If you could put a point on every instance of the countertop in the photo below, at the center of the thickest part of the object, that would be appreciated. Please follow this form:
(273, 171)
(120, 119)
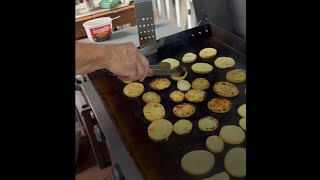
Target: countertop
(163, 28)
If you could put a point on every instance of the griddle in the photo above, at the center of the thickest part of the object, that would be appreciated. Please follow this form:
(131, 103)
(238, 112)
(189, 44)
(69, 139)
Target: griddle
(161, 161)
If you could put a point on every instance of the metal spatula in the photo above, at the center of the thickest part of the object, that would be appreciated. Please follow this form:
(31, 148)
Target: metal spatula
(164, 68)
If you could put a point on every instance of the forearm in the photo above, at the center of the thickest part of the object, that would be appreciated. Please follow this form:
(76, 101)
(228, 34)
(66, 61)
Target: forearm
(90, 57)
(124, 60)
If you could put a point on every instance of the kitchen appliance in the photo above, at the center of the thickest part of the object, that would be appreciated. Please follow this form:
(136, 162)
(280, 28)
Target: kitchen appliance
(120, 121)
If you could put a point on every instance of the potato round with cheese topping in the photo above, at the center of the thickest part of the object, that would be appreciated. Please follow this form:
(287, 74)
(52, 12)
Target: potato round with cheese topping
(184, 110)
(153, 111)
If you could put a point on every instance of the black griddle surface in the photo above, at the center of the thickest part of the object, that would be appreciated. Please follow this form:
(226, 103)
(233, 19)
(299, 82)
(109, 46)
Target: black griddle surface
(161, 161)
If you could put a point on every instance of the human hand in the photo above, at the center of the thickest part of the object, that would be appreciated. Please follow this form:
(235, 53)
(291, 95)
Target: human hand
(127, 62)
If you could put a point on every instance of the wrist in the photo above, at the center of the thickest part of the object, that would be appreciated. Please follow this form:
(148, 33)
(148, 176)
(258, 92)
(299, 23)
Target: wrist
(105, 54)
(109, 54)
(102, 56)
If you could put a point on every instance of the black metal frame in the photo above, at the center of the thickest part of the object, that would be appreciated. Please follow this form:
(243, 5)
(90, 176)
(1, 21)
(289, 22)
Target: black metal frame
(99, 149)
(119, 155)
(227, 14)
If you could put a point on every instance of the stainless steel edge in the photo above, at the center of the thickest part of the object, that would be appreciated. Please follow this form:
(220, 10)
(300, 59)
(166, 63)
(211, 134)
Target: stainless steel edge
(118, 152)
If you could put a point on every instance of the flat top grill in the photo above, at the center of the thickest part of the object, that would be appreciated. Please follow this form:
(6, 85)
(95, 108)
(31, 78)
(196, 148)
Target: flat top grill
(159, 161)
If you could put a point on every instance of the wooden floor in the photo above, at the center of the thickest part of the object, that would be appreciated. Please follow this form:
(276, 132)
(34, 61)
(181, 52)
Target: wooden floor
(86, 168)
(94, 173)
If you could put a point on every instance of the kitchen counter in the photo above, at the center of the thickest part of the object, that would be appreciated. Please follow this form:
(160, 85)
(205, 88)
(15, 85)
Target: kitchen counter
(96, 10)
(163, 28)
(126, 13)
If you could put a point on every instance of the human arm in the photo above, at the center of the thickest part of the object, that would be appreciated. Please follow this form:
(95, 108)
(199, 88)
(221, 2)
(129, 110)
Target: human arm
(124, 60)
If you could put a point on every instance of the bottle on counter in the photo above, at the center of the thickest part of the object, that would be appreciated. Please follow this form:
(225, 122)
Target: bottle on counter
(89, 4)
